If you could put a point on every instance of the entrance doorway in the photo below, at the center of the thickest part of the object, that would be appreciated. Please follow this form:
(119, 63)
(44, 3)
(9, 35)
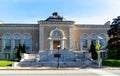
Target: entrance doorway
(56, 38)
(55, 44)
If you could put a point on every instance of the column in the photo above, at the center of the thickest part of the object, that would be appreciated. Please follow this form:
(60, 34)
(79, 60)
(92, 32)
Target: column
(62, 44)
(41, 38)
(22, 41)
(51, 44)
(89, 42)
(71, 45)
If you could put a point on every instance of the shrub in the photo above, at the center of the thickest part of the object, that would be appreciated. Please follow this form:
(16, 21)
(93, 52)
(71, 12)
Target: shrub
(112, 53)
(111, 62)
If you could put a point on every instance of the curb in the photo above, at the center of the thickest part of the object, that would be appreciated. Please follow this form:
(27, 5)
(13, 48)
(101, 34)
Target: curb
(110, 68)
(36, 68)
(54, 68)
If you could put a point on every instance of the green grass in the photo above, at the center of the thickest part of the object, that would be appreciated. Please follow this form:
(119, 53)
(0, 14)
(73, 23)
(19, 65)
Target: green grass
(111, 62)
(5, 63)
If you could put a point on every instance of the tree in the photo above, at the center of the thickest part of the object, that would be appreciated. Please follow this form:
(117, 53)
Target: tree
(19, 52)
(114, 41)
(23, 48)
(93, 51)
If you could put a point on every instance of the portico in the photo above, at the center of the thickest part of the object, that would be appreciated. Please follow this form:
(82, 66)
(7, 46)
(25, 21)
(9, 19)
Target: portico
(55, 30)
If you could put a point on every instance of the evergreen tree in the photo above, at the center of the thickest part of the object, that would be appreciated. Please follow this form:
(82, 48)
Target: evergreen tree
(93, 51)
(114, 41)
(19, 52)
(23, 49)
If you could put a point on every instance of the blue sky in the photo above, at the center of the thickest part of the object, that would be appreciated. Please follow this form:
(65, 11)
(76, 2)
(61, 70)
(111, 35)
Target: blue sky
(81, 11)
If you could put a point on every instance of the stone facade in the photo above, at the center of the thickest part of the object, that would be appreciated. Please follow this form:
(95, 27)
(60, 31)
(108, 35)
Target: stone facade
(48, 34)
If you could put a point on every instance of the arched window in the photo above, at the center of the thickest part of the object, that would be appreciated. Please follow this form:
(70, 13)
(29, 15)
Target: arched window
(7, 44)
(27, 43)
(93, 38)
(27, 40)
(17, 40)
(56, 34)
(6, 41)
(84, 38)
(102, 41)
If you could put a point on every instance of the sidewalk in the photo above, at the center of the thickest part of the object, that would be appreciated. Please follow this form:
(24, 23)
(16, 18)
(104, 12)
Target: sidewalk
(110, 68)
(38, 68)
(54, 68)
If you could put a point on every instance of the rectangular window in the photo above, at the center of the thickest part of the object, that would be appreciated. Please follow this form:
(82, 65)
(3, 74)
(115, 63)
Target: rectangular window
(7, 55)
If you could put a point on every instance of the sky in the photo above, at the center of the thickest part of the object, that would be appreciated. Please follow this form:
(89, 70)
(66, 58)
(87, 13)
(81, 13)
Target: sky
(80, 11)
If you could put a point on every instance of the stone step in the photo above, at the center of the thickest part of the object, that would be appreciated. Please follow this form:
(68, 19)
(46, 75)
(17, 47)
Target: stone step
(54, 64)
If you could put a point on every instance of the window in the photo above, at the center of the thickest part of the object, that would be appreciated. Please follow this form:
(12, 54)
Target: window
(6, 41)
(56, 34)
(7, 44)
(36, 45)
(102, 41)
(7, 55)
(84, 43)
(27, 43)
(93, 38)
(94, 42)
(17, 40)
(27, 40)
(17, 43)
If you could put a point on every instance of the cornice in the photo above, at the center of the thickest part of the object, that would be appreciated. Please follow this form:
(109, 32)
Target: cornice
(56, 22)
(16, 28)
(19, 26)
(5, 25)
(92, 29)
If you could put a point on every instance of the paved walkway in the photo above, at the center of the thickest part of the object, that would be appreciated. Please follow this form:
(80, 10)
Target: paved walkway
(54, 68)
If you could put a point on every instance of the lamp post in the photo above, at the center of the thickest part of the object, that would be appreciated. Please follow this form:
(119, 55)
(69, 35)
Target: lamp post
(98, 49)
(58, 55)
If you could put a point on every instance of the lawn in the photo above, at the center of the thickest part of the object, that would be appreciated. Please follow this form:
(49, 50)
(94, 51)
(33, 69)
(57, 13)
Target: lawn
(111, 62)
(5, 63)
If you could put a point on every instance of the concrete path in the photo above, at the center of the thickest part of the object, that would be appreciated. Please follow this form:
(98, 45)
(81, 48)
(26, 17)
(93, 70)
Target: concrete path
(47, 71)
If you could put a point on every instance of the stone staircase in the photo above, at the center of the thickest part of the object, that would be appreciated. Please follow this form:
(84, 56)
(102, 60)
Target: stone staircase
(65, 55)
(47, 59)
